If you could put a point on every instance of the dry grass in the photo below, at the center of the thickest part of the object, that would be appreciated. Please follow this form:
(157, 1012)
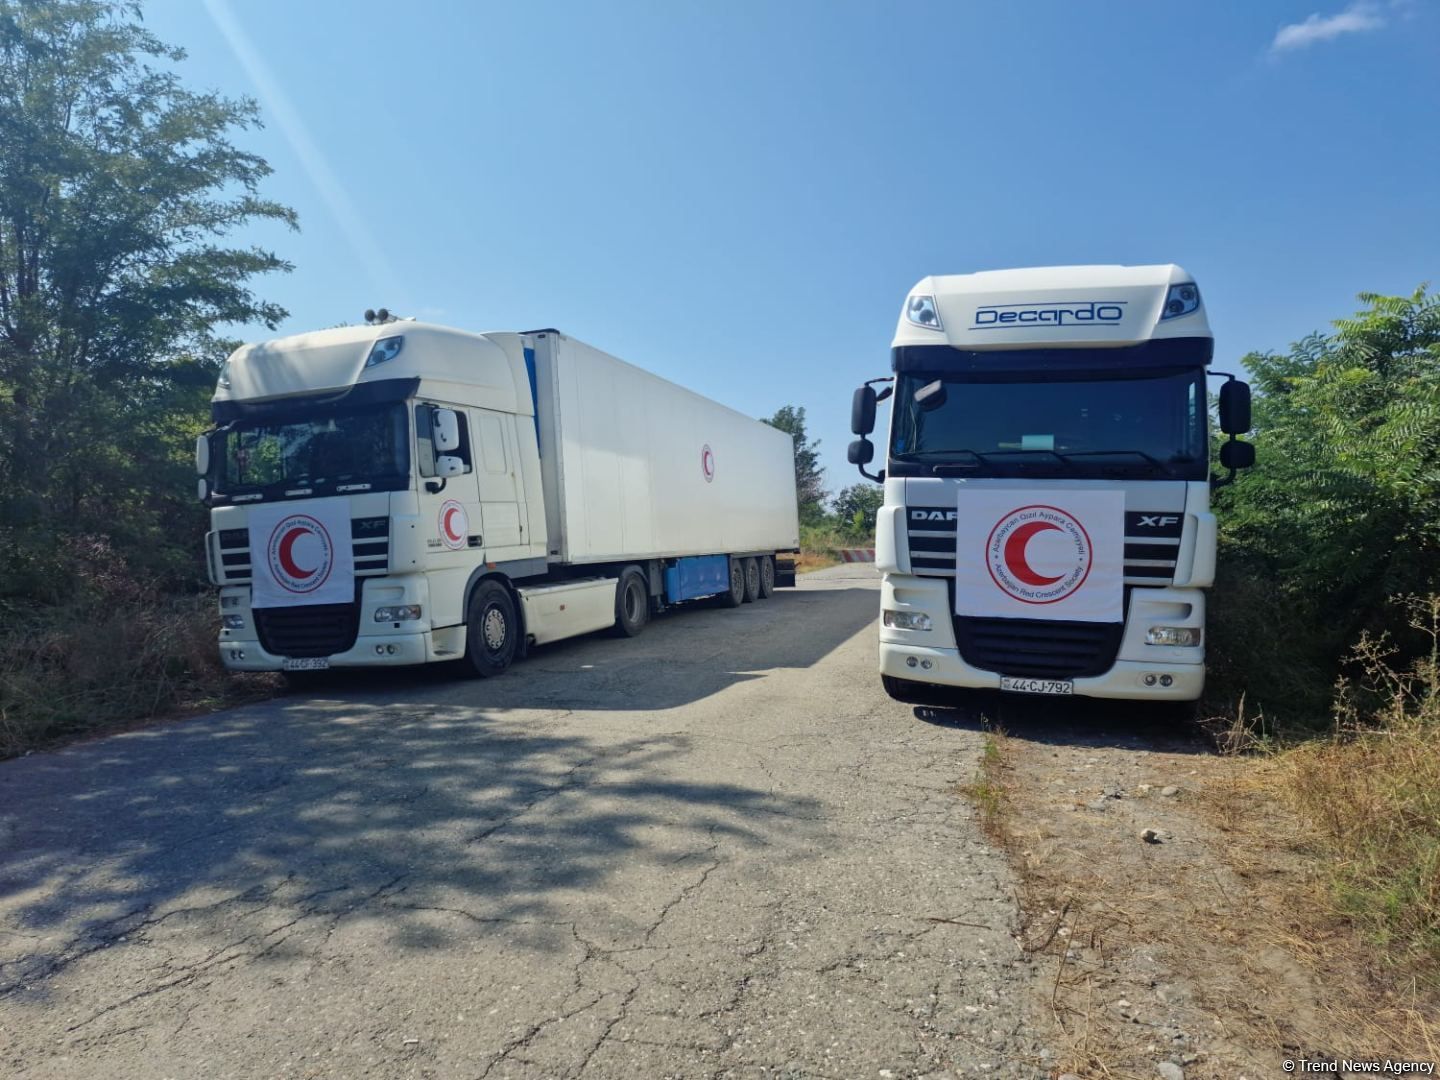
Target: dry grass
(1372, 793)
(117, 654)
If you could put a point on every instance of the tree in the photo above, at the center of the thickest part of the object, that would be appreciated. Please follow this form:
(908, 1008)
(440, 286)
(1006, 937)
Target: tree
(117, 186)
(1342, 511)
(809, 477)
(857, 506)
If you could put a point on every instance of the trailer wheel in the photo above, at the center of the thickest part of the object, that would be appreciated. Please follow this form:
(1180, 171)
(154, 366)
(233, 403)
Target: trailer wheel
(492, 630)
(767, 576)
(752, 580)
(632, 604)
(736, 596)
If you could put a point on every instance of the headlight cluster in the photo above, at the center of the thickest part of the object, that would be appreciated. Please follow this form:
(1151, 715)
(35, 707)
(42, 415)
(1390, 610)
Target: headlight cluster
(907, 620)
(1173, 635)
(397, 613)
(1181, 300)
(233, 622)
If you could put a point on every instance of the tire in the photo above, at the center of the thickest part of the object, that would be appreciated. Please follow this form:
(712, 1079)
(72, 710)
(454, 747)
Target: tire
(736, 596)
(632, 604)
(767, 577)
(752, 580)
(492, 630)
(912, 693)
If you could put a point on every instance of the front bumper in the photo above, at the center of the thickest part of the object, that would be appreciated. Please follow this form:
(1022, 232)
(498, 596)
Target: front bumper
(1127, 678)
(385, 644)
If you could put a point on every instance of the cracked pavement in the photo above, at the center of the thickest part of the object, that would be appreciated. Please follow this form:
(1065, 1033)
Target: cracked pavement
(716, 850)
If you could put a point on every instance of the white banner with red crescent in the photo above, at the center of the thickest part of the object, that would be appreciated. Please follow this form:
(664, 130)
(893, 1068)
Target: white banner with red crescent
(301, 553)
(1032, 554)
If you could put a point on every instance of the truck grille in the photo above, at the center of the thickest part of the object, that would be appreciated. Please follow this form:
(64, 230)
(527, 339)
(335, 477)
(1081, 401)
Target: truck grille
(1038, 647)
(1152, 542)
(369, 537)
(310, 630)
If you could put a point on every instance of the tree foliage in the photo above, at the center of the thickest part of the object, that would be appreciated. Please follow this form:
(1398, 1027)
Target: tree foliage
(118, 186)
(809, 477)
(856, 507)
(1342, 511)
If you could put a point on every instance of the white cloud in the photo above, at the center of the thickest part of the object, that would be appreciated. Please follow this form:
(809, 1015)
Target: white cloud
(1356, 18)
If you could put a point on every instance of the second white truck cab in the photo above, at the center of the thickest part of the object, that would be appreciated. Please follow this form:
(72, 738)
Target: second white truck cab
(1046, 527)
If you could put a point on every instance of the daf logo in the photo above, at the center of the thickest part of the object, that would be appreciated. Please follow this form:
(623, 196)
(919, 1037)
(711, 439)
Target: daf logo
(1156, 521)
(933, 515)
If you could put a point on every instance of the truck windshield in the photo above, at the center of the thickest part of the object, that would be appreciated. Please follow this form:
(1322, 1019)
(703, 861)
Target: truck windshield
(366, 447)
(1138, 423)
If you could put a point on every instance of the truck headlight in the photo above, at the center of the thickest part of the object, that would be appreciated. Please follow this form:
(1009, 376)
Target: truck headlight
(920, 310)
(397, 613)
(387, 348)
(907, 620)
(1181, 300)
(1173, 635)
(233, 622)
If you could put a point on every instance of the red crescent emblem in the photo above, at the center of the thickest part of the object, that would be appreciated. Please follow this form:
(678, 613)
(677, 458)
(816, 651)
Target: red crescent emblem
(1015, 553)
(445, 524)
(287, 554)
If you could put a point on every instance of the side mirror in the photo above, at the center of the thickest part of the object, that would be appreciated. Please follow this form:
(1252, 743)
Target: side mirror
(1237, 455)
(861, 452)
(862, 411)
(202, 456)
(202, 489)
(1235, 408)
(447, 465)
(445, 430)
(931, 396)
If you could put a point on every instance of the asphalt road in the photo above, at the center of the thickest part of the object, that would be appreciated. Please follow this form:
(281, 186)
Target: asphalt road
(714, 850)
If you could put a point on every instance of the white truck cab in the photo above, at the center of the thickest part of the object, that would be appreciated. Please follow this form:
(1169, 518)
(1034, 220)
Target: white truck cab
(403, 493)
(1046, 527)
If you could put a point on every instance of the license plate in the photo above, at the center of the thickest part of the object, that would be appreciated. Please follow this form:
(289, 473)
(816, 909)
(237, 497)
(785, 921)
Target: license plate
(1037, 686)
(307, 663)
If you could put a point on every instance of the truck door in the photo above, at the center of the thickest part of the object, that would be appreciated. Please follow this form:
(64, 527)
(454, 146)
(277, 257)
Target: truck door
(496, 465)
(450, 515)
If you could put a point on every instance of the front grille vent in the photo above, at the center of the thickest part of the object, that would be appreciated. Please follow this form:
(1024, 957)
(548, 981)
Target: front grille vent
(1037, 647)
(369, 537)
(309, 630)
(1152, 542)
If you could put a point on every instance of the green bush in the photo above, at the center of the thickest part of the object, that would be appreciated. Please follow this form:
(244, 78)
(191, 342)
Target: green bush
(1342, 511)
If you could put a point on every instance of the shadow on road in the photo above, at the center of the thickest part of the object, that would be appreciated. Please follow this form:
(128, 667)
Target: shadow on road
(400, 793)
(1073, 721)
(687, 653)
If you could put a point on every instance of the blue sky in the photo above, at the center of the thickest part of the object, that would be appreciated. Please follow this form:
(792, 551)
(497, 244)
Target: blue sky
(739, 195)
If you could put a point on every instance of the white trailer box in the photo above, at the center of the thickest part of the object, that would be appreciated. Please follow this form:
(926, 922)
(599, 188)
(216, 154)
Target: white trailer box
(634, 466)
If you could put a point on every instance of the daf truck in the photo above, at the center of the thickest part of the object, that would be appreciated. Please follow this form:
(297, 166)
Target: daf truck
(405, 493)
(1046, 526)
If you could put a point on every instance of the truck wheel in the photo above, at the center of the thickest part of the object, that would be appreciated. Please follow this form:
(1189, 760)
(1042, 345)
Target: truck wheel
(752, 580)
(632, 604)
(767, 576)
(910, 692)
(492, 630)
(736, 596)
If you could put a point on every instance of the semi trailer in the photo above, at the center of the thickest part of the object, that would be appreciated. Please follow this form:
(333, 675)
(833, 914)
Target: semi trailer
(1046, 526)
(406, 493)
